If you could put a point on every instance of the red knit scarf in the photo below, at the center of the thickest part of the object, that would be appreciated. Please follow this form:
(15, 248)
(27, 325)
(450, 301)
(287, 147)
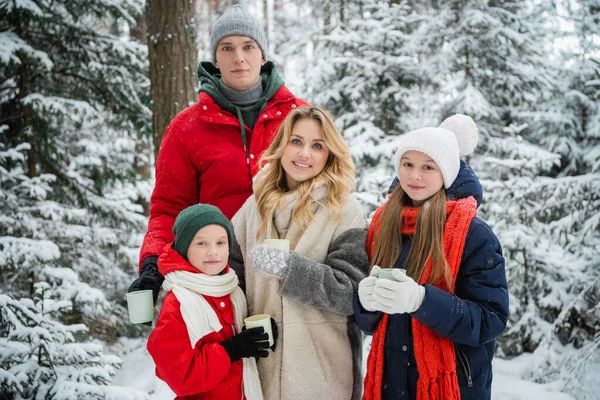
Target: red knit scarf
(436, 361)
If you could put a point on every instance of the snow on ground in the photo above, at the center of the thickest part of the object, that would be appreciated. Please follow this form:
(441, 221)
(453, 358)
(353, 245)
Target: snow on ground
(138, 373)
(507, 384)
(138, 369)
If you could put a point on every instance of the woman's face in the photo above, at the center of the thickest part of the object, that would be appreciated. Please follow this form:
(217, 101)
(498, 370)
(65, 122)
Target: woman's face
(306, 154)
(420, 176)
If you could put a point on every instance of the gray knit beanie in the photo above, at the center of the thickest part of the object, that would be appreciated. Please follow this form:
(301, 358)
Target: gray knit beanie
(194, 218)
(237, 21)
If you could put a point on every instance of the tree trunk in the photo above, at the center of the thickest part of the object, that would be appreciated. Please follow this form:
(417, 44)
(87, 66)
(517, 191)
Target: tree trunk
(173, 61)
(143, 159)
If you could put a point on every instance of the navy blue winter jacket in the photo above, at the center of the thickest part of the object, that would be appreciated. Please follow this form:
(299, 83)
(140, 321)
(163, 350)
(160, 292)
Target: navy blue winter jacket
(472, 318)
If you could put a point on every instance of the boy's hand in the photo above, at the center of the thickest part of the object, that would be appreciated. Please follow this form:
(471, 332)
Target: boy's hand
(252, 342)
(275, 332)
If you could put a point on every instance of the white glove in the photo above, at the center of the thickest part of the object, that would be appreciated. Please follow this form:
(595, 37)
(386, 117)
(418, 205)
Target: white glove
(365, 292)
(270, 260)
(375, 270)
(404, 296)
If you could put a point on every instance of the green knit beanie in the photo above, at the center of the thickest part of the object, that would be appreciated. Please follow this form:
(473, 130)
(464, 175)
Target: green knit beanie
(194, 218)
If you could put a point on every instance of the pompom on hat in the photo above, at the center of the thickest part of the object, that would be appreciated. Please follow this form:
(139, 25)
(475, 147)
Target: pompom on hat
(236, 21)
(454, 138)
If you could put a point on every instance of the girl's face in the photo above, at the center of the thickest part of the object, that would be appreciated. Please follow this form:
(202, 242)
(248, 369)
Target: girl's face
(209, 250)
(306, 154)
(420, 177)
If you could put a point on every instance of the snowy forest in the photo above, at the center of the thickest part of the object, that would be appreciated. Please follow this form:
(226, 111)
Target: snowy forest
(87, 89)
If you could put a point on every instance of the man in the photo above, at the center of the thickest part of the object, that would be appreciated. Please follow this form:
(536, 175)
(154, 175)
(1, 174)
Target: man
(210, 150)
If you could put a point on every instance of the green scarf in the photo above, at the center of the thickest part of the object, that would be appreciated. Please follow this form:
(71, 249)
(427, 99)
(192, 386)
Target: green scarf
(209, 77)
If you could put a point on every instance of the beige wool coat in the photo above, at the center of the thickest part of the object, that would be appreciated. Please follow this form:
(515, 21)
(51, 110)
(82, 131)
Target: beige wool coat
(318, 350)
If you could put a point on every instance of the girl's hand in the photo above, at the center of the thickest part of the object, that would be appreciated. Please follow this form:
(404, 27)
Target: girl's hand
(404, 296)
(375, 270)
(270, 260)
(365, 293)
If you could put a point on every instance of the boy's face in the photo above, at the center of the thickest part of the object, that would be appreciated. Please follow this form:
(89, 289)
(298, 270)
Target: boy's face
(209, 250)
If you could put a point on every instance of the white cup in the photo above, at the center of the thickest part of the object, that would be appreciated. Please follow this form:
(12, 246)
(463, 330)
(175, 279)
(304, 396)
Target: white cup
(263, 320)
(283, 244)
(141, 306)
(385, 273)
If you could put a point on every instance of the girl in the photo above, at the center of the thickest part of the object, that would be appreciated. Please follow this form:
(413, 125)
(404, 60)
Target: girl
(302, 195)
(434, 327)
(197, 345)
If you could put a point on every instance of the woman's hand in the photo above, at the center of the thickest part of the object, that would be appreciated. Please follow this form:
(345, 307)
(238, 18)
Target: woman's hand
(270, 260)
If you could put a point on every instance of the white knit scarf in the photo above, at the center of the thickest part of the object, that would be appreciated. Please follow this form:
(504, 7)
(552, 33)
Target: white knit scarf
(200, 318)
(289, 202)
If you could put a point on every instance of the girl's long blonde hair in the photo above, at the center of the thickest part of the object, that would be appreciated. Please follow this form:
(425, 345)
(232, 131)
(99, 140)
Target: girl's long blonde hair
(427, 240)
(337, 175)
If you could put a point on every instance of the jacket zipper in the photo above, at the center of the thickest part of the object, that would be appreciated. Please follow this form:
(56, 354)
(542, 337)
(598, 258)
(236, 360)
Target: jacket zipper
(244, 141)
(466, 367)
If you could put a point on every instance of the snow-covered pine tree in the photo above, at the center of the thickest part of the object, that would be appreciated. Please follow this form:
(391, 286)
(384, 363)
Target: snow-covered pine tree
(73, 104)
(492, 65)
(368, 74)
(43, 359)
(295, 26)
(570, 204)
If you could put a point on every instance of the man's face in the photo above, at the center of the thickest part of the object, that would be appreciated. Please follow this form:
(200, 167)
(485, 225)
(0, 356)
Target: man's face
(239, 58)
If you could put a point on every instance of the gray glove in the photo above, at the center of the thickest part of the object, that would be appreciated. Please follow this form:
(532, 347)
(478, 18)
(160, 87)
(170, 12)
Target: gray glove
(270, 260)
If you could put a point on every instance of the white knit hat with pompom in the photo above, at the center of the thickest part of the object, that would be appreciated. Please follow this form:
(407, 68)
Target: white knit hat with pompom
(456, 137)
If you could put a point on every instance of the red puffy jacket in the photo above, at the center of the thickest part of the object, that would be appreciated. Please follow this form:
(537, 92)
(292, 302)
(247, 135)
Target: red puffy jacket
(202, 160)
(205, 370)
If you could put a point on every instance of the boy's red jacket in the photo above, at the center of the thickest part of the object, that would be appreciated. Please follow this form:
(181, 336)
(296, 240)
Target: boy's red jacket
(204, 371)
(202, 160)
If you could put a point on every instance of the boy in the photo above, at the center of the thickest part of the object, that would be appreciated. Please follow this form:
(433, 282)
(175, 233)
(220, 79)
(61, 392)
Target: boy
(197, 345)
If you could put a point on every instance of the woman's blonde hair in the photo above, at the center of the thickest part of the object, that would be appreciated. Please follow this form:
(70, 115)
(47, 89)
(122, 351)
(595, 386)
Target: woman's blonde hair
(427, 240)
(337, 175)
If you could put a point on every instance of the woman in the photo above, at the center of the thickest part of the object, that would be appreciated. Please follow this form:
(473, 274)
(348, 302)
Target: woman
(302, 195)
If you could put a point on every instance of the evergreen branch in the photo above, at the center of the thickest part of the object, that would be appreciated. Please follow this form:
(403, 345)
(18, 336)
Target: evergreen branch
(96, 84)
(3, 88)
(11, 117)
